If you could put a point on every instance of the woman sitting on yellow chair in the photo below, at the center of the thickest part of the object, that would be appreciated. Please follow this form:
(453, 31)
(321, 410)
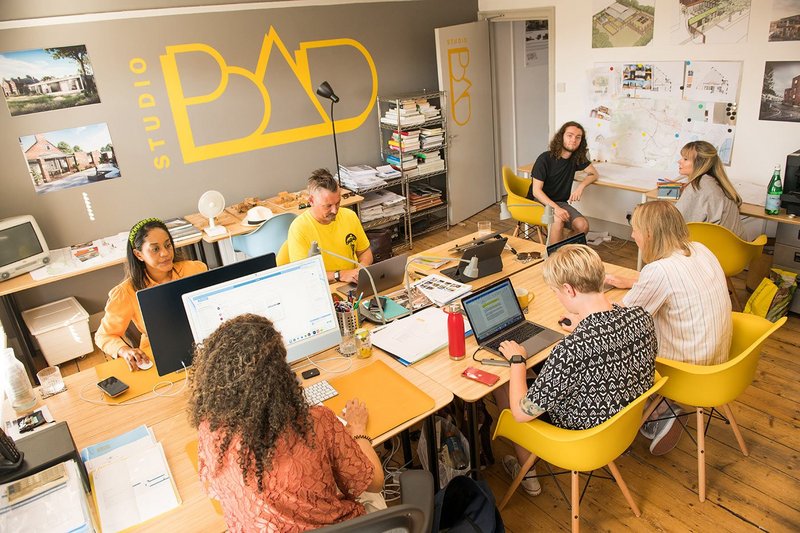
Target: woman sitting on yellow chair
(683, 286)
(605, 363)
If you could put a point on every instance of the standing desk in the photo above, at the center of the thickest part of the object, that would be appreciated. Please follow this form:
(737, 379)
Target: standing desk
(168, 418)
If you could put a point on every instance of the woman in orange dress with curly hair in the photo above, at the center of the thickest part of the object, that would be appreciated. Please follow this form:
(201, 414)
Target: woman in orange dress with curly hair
(274, 462)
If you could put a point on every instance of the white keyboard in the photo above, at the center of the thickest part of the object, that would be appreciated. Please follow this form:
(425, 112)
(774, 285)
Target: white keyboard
(319, 392)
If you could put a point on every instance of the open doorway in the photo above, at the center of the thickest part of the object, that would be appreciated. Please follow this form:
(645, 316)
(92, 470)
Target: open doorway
(522, 69)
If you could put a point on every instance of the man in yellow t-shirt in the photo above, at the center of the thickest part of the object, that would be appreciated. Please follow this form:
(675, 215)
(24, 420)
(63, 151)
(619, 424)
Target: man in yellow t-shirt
(335, 230)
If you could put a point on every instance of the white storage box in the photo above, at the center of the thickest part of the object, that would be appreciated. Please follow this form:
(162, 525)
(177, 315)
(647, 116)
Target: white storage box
(61, 328)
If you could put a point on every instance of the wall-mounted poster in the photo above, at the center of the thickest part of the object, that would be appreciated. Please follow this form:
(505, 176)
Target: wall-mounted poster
(709, 21)
(715, 81)
(660, 79)
(47, 78)
(617, 23)
(780, 94)
(73, 157)
(536, 38)
(784, 24)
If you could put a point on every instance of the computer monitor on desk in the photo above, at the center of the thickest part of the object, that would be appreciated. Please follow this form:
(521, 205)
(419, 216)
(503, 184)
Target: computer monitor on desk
(165, 319)
(295, 297)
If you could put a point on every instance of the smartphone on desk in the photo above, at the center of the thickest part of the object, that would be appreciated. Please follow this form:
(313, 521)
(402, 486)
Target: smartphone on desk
(112, 386)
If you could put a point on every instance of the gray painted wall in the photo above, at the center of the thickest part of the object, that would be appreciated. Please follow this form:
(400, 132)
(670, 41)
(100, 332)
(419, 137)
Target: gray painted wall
(398, 35)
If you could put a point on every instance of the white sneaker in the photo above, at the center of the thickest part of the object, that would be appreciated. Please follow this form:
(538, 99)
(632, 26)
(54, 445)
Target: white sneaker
(529, 484)
(648, 430)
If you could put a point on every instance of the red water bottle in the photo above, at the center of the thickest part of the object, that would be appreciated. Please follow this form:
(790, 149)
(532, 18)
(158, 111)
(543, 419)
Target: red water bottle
(455, 332)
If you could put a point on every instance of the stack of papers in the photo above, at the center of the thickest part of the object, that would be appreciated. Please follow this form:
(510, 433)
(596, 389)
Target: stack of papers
(382, 204)
(45, 504)
(359, 177)
(387, 172)
(431, 137)
(83, 256)
(131, 479)
(181, 229)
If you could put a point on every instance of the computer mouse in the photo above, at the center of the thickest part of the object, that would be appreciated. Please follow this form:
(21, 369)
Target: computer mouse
(145, 366)
(565, 322)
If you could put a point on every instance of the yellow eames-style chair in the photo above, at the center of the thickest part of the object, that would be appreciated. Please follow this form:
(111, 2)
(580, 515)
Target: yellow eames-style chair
(577, 450)
(733, 253)
(716, 386)
(523, 210)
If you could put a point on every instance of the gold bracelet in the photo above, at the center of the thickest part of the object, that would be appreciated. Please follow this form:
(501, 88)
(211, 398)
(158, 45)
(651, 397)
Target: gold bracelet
(365, 437)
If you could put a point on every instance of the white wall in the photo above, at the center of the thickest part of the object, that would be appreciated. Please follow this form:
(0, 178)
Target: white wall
(758, 144)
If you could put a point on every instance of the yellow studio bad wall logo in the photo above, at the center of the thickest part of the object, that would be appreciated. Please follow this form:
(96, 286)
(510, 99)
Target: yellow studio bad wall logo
(259, 138)
(460, 102)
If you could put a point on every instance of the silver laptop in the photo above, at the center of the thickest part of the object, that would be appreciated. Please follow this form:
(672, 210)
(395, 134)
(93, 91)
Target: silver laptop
(495, 316)
(387, 274)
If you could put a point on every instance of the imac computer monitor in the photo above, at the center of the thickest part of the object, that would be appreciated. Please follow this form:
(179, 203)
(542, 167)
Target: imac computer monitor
(165, 319)
(295, 297)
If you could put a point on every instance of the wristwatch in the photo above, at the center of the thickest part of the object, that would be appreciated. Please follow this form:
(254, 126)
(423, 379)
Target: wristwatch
(517, 359)
(336, 276)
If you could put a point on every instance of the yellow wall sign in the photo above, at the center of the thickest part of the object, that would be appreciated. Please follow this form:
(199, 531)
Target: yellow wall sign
(259, 138)
(460, 102)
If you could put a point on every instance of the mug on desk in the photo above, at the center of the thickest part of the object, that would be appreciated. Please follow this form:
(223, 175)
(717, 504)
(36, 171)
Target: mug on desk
(524, 297)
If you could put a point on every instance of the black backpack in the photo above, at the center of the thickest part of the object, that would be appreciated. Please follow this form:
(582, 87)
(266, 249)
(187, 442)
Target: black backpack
(466, 506)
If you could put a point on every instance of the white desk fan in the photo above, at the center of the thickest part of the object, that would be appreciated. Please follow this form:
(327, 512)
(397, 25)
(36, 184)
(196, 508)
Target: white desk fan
(211, 204)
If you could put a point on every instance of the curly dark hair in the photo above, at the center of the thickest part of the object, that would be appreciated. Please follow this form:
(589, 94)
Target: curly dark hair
(242, 385)
(135, 268)
(581, 155)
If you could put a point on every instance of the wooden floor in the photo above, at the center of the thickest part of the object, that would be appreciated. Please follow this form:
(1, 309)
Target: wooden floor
(759, 492)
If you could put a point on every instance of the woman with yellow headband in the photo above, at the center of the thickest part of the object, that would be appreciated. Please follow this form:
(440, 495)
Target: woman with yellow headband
(151, 261)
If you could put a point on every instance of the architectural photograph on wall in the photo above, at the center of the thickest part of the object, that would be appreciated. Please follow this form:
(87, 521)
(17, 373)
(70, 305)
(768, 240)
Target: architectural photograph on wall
(536, 39)
(784, 24)
(710, 21)
(73, 157)
(780, 94)
(47, 78)
(622, 23)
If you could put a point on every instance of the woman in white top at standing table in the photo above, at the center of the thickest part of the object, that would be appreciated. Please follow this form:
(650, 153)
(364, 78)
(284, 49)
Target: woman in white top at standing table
(682, 285)
(709, 195)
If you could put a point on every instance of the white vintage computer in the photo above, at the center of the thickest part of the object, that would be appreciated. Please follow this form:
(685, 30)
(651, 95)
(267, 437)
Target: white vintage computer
(22, 246)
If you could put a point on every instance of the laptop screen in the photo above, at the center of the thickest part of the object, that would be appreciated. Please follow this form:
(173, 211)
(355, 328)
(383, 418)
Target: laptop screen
(492, 310)
(578, 238)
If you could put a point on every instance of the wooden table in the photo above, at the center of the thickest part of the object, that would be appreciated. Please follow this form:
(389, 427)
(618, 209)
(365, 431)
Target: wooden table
(510, 263)
(745, 210)
(90, 423)
(233, 222)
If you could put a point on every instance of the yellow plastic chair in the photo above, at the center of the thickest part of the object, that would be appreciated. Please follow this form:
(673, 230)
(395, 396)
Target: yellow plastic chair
(523, 210)
(577, 450)
(733, 253)
(283, 254)
(716, 386)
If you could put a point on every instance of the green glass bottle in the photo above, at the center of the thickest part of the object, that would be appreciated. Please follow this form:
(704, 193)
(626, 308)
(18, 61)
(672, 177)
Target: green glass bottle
(773, 204)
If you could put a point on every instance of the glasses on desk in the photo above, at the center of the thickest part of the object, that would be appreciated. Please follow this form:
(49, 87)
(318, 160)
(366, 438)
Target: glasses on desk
(527, 257)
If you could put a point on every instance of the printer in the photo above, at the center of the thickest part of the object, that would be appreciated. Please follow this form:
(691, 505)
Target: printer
(790, 199)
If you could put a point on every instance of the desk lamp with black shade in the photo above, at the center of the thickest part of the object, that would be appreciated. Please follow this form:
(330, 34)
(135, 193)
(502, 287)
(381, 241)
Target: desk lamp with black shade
(326, 91)
(471, 271)
(375, 316)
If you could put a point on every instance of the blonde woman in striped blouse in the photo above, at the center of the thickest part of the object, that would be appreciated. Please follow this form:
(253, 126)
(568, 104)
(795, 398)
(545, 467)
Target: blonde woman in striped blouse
(682, 285)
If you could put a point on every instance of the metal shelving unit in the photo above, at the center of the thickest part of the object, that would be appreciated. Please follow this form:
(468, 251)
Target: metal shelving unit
(437, 179)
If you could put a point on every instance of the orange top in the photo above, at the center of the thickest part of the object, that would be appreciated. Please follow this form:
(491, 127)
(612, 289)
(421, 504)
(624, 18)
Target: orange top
(122, 308)
(306, 487)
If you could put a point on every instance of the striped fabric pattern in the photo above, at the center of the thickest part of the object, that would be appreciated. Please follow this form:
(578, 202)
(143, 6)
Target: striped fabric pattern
(688, 298)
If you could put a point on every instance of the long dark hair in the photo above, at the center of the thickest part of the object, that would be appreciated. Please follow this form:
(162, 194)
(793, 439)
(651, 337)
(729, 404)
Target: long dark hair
(136, 270)
(581, 155)
(242, 384)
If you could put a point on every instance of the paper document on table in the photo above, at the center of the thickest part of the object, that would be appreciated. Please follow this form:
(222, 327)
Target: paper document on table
(415, 337)
(118, 447)
(59, 508)
(441, 290)
(131, 490)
